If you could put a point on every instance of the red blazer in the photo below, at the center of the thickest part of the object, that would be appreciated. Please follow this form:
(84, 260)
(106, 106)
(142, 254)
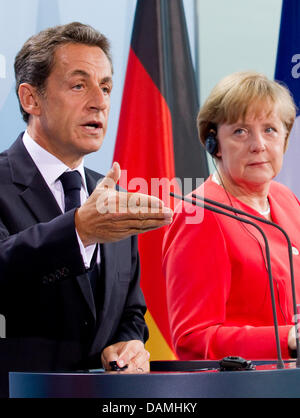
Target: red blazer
(217, 281)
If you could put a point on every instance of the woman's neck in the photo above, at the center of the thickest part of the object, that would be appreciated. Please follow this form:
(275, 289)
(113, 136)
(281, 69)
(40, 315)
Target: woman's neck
(255, 196)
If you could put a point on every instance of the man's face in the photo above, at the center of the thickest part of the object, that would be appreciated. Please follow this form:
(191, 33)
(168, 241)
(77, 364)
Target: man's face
(75, 106)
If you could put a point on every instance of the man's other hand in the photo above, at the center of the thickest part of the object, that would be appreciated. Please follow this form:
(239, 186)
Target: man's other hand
(131, 353)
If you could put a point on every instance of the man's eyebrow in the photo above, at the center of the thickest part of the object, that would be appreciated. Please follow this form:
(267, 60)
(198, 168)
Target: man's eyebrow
(107, 80)
(83, 73)
(80, 72)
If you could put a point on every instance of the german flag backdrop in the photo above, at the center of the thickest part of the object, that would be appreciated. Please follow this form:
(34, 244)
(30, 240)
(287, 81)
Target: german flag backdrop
(157, 136)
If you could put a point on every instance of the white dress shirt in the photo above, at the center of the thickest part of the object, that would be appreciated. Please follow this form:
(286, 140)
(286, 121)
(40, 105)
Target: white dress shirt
(51, 168)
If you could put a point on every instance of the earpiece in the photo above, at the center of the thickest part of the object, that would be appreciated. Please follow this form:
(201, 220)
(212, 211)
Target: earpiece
(211, 143)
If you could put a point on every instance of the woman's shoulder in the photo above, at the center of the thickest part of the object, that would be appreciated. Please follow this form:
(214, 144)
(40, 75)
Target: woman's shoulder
(277, 187)
(282, 194)
(210, 189)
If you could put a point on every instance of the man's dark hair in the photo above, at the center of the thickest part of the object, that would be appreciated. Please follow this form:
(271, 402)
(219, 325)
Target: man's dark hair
(34, 62)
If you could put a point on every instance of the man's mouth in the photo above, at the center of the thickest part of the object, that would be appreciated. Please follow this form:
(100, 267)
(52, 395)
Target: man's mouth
(93, 126)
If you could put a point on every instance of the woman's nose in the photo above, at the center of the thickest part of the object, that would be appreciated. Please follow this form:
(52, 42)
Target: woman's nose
(258, 142)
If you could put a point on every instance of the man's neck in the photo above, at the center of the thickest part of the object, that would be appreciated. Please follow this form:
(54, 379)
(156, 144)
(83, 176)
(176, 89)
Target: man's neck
(70, 160)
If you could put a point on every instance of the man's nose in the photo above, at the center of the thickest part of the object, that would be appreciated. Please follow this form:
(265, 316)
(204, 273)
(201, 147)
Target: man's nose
(98, 100)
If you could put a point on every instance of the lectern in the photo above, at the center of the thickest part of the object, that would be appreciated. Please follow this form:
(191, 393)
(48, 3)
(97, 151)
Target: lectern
(196, 379)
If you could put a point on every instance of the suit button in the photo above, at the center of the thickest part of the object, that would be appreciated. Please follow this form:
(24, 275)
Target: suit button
(65, 271)
(45, 280)
(51, 278)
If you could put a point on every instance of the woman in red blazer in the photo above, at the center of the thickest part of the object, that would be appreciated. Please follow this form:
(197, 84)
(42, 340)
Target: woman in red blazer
(216, 269)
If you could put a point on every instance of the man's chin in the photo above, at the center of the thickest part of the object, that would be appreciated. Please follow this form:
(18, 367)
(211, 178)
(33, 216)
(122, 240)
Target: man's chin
(92, 145)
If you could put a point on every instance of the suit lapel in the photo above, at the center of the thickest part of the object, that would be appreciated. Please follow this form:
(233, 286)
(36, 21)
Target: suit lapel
(36, 193)
(86, 289)
(108, 270)
(40, 200)
(107, 278)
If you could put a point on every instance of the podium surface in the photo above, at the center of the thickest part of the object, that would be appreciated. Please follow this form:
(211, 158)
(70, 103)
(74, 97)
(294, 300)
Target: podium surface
(266, 381)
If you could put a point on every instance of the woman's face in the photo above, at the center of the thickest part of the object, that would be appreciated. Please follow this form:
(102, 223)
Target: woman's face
(251, 151)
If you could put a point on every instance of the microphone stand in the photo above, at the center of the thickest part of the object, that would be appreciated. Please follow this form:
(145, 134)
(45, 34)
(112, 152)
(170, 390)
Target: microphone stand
(265, 221)
(280, 364)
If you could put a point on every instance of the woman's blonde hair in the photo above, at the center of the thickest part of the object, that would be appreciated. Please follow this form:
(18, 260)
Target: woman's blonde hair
(231, 98)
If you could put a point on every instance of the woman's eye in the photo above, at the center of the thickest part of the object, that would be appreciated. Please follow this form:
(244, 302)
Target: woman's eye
(239, 131)
(270, 129)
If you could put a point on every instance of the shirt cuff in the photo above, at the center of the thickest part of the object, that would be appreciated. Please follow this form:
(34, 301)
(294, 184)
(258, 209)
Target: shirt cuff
(86, 252)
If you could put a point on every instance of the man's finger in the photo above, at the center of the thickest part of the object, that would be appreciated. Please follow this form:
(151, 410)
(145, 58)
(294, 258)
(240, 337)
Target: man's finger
(111, 201)
(111, 178)
(138, 362)
(107, 356)
(143, 202)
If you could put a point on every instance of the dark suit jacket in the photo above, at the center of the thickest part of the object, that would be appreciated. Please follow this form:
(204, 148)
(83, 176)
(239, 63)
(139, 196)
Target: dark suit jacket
(45, 295)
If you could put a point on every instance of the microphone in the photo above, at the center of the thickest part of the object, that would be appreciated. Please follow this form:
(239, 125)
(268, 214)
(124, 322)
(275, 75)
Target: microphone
(290, 253)
(280, 364)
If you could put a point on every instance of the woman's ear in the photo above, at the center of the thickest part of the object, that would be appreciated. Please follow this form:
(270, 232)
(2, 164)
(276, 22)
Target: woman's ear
(29, 99)
(218, 154)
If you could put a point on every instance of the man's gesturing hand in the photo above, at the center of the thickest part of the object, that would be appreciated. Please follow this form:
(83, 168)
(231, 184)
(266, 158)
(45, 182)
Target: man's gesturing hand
(109, 215)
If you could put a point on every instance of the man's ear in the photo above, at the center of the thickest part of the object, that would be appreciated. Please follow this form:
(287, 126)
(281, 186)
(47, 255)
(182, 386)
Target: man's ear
(29, 99)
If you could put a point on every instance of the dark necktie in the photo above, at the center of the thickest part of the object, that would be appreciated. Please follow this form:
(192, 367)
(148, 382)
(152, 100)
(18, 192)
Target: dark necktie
(71, 182)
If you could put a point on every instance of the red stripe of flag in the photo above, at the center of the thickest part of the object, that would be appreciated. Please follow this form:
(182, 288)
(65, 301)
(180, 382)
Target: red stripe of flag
(158, 115)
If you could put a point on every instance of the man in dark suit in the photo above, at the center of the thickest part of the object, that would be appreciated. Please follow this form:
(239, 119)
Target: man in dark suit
(69, 273)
